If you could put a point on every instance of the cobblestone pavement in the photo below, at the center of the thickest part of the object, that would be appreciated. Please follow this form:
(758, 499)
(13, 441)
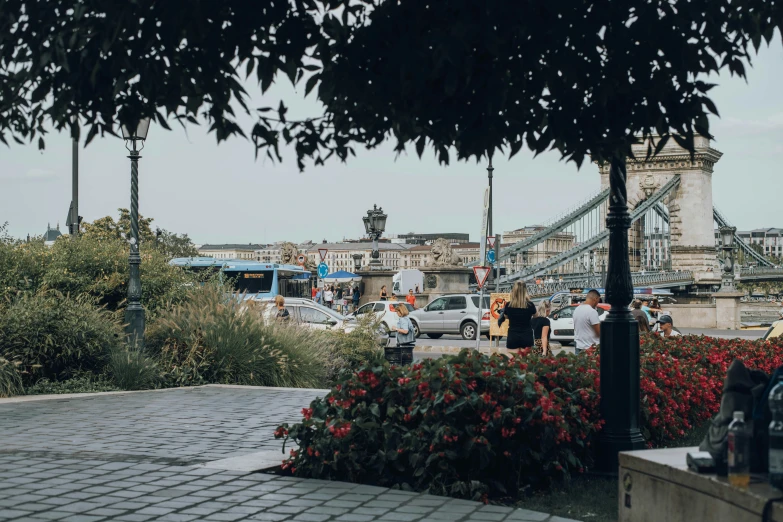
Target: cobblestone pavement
(135, 457)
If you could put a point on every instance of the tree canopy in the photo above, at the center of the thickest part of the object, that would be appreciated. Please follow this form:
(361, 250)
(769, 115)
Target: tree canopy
(585, 78)
(167, 243)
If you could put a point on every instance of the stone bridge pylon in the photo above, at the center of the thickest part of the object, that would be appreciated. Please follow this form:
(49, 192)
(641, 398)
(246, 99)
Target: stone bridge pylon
(691, 220)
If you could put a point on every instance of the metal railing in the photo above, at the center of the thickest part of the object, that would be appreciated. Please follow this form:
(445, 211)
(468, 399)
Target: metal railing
(640, 280)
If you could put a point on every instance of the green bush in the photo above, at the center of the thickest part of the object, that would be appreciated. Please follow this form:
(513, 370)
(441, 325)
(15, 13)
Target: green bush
(94, 266)
(132, 369)
(355, 349)
(84, 383)
(213, 338)
(463, 426)
(55, 336)
(10, 379)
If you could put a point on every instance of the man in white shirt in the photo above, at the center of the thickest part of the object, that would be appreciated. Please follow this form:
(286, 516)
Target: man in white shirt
(587, 325)
(667, 326)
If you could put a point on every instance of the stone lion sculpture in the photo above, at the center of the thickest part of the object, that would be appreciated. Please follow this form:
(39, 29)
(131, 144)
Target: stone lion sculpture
(289, 254)
(443, 255)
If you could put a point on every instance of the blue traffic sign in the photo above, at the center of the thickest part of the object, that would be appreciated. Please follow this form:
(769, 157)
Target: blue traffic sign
(323, 270)
(491, 256)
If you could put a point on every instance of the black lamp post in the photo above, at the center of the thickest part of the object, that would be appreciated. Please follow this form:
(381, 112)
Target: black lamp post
(727, 245)
(134, 313)
(619, 335)
(374, 225)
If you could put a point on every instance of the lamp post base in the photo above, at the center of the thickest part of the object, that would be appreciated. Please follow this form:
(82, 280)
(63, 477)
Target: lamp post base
(620, 377)
(134, 326)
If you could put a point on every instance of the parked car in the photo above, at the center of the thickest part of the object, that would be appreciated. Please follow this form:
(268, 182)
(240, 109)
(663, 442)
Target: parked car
(310, 314)
(451, 314)
(562, 322)
(385, 312)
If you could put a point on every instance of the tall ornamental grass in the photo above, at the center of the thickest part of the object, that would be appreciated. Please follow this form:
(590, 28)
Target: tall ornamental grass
(213, 337)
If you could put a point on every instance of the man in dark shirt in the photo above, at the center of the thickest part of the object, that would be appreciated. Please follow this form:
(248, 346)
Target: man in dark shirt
(640, 316)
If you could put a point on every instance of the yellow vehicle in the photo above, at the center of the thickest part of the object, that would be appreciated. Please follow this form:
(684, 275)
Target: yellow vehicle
(776, 330)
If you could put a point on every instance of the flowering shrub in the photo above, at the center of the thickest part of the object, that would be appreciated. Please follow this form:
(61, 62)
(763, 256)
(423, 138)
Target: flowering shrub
(473, 425)
(450, 424)
(682, 379)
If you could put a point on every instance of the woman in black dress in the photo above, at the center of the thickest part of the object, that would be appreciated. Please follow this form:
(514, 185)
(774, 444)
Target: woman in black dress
(518, 311)
(383, 295)
(542, 329)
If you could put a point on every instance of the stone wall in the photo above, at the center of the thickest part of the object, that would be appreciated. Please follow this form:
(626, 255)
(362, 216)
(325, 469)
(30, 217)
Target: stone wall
(693, 315)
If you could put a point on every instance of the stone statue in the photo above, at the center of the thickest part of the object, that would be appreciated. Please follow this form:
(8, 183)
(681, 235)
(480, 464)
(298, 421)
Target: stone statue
(289, 254)
(443, 255)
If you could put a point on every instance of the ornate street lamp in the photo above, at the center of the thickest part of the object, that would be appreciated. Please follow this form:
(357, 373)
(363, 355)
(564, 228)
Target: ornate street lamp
(357, 261)
(727, 245)
(374, 225)
(134, 313)
(620, 396)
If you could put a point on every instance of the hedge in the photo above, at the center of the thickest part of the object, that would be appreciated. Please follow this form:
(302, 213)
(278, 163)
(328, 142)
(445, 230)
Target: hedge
(476, 426)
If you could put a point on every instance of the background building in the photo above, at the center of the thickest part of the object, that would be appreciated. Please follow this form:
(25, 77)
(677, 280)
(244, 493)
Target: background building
(340, 255)
(230, 251)
(51, 234)
(413, 238)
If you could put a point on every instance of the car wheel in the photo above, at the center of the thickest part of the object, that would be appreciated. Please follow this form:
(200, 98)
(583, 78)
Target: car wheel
(416, 329)
(434, 335)
(468, 330)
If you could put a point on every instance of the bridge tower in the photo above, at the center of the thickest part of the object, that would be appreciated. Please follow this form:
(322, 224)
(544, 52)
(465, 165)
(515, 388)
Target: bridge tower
(690, 205)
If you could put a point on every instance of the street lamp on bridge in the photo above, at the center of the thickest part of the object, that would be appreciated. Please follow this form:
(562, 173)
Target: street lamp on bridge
(134, 313)
(374, 225)
(727, 245)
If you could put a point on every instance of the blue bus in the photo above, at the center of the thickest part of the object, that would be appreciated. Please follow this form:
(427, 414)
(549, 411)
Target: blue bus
(255, 279)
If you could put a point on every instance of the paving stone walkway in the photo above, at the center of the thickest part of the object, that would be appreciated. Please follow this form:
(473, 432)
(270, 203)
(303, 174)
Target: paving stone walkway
(138, 456)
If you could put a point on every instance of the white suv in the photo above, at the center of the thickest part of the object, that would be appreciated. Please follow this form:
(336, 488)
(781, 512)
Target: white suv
(385, 312)
(452, 314)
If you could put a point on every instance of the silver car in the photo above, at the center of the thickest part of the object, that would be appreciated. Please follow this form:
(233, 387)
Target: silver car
(451, 314)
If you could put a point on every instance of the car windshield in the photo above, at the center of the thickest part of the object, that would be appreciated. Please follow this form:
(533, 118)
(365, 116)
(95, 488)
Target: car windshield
(338, 316)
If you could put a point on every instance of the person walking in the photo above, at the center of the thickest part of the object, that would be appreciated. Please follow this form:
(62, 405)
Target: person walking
(282, 315)
(411, 299)
(319, 296)
(519, 310)
(329, 297)
(542, 330)
(383, 296)
(355, 297)
(587, 325)
(406, 335)
(313, 292)
(640, 316)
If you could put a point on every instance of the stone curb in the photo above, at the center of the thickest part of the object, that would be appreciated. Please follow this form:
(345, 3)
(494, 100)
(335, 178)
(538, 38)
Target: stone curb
(65, 396)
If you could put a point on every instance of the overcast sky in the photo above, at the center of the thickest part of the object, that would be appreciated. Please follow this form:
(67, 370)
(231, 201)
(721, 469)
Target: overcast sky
(221, 194)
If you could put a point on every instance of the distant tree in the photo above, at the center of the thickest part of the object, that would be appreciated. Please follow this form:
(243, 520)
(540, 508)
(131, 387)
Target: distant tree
(107, 228)
(168, 243)
(174, 245)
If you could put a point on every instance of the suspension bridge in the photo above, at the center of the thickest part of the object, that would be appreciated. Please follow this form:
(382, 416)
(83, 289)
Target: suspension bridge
(672, 239)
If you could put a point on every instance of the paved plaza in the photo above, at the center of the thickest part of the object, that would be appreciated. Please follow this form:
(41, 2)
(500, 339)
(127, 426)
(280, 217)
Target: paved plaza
(177, 455)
